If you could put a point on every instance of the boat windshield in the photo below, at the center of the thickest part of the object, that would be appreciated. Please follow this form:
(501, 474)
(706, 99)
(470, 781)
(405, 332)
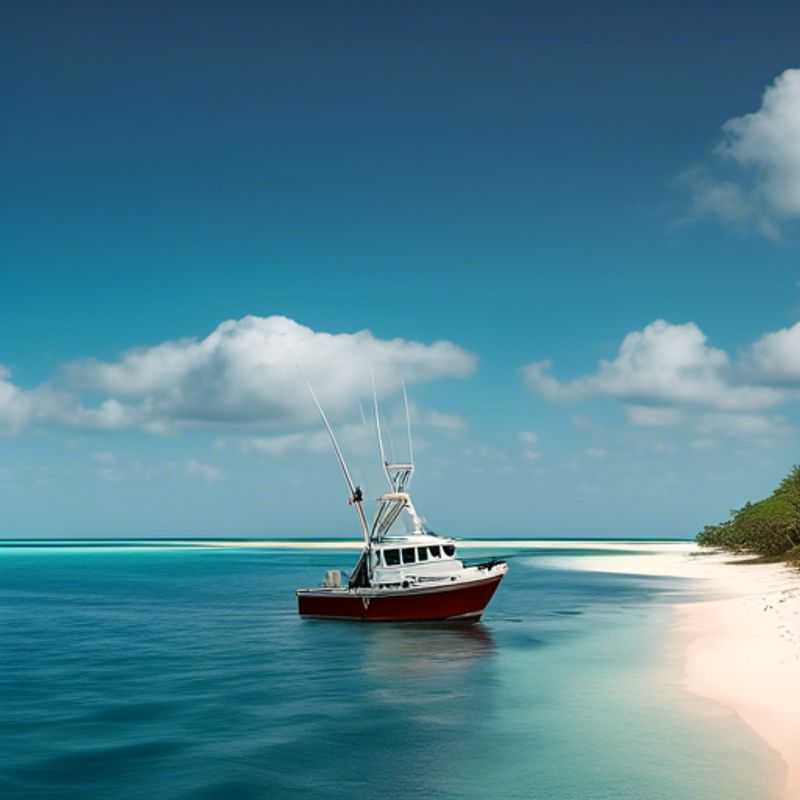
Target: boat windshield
(449, 550)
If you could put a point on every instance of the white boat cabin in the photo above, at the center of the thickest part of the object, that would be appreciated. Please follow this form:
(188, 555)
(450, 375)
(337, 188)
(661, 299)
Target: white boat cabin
(417, 558)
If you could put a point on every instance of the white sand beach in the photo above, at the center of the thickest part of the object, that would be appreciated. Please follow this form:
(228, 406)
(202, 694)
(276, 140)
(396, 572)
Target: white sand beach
(742, 643)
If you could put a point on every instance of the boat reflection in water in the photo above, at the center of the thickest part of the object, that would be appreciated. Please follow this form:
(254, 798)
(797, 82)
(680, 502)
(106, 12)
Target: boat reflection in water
(430, 649)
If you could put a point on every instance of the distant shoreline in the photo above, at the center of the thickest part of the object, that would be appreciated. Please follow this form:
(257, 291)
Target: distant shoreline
(464, 544)
(327, 541)
(623, 545)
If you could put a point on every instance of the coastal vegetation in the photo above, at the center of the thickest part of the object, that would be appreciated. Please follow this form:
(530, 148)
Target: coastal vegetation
(769, 528)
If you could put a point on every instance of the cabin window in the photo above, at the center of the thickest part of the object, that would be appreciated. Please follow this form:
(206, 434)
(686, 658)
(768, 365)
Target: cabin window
(449, 549)
(408, 555)
(391, 557)
(435, 552)
(422, 553)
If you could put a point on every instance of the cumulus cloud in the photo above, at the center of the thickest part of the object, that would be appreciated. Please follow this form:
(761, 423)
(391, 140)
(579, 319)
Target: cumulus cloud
(661, 366)
(755, 178)
(21, 407)
(250, 371)
(775, 358)
(667, 375)
(727, 200)
(16, 405)
(254, 370)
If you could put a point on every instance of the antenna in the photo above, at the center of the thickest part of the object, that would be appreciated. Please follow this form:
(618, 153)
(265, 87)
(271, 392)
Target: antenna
(355, 494)
(408, 426)
(378, 430)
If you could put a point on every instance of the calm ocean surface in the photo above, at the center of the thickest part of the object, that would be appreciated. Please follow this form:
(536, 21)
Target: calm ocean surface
(180, 672)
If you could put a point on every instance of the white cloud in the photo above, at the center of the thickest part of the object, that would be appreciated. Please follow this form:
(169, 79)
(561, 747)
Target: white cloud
(206, 472)
(247, 372)
(668, 375)
(109, 415)
(775, 358)
(769, 140)
(761, 150)
(726, 200)
(661, 366)
(16, 405)
(537, 378)
(21, 407)
(253, 370)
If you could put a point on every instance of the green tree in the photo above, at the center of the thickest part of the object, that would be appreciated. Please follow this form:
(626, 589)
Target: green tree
(769, 527)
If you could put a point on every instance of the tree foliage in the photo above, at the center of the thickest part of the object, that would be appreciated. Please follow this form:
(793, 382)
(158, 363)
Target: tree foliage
(770, 527)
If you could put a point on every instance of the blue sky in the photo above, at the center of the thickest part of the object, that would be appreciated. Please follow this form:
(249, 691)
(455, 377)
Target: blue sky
(527, 184)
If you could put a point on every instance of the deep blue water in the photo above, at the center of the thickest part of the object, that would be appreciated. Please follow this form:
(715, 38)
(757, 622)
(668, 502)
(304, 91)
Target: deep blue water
(130, 672)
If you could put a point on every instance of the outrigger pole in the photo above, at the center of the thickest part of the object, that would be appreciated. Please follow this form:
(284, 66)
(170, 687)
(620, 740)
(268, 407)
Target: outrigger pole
(408, 429)
(356, 497)
(384, 462)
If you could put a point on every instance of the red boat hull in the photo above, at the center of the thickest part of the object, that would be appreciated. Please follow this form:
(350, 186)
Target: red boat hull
(465, 601)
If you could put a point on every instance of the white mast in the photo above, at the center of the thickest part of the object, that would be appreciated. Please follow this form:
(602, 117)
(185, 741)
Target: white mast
(397, 499)
(408, 429)
(384, 462)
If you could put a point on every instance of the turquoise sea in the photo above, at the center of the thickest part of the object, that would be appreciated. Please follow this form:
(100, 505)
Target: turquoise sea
(141, 670)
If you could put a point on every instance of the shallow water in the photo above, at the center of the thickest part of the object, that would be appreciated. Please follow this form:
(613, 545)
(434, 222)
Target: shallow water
(177, 672)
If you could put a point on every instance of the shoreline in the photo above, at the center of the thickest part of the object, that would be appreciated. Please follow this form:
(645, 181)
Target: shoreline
(743, 652)
(740, 639)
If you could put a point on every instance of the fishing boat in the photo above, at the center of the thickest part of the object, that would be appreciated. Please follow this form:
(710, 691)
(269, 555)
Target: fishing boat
(411, 575)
